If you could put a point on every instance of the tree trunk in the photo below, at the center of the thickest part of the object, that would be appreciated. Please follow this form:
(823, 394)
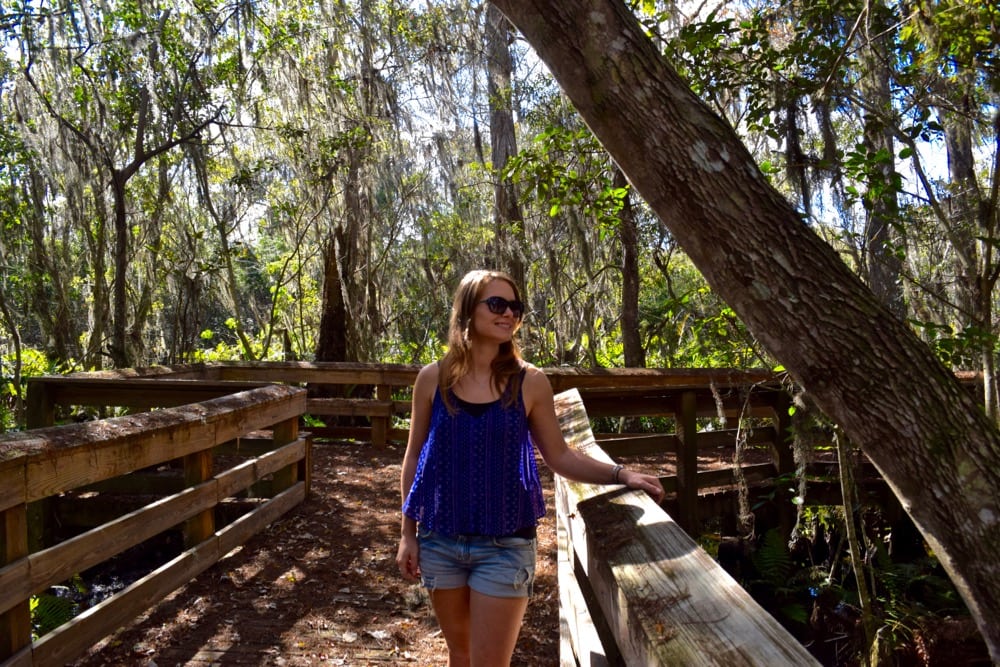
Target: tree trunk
(883, 263)
(507, 216)
(635, 355)
(973, 234)
(222, 220)
(332, 342)
(119, 347)
(863, 366)
(48, 289)
(10, 324)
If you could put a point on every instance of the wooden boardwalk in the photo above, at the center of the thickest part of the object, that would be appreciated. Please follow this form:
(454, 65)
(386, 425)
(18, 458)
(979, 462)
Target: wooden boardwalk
(319, 587)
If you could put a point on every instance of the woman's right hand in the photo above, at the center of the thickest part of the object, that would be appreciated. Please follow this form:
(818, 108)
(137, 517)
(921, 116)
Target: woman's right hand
(408, 557)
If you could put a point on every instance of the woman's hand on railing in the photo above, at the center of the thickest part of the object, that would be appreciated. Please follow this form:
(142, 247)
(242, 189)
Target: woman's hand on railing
(642, 482)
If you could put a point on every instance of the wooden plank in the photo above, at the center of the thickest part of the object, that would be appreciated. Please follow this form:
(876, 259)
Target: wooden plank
(686, 460)
(58, 462)
(380, 423)
(70, 640)
(284, 432)
(281, 458)
(23, 658)
(580, 644)
(197, 371)
(111, 448)
(638, 444)
(12, 485)
(15, 585)
(145, 482)
(132, 392)
(236, 479)
(563, 378)
(250, 524)
(306, 463)
(15, 618)
(350, 407)
(198, 469)
(317, 372)
(39, 408)
(667, 601)
(663, 406)
(727, 476)
(708, 479)
(726, 438)
(88, 549)
(62, 561)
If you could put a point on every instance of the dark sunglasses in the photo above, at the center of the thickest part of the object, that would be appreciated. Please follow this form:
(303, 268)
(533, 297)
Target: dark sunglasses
(499, 305)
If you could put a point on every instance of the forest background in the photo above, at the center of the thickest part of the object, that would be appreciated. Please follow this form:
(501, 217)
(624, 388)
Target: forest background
(235, 180)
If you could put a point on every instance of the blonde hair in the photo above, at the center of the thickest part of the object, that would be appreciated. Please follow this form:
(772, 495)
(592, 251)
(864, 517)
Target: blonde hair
(506, 366)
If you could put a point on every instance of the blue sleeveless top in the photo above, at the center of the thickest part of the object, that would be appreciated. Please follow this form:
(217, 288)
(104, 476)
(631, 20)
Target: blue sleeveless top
(476, 474)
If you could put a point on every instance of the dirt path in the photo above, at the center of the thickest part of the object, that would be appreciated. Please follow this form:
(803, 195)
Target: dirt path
(320, 587)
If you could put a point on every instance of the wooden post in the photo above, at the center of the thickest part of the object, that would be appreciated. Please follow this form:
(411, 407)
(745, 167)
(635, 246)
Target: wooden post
(283, 433)
(784, 462)
(40, 410)
(781, 449)
(380, 425)
(15, 623)
(686, 414)
(197, 469)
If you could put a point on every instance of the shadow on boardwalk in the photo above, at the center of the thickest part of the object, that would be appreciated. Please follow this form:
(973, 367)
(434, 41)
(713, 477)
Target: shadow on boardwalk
(320, 587)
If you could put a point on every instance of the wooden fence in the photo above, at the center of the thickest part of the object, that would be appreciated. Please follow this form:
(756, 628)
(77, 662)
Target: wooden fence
(256, 429)
(685, 414)
(370, 402)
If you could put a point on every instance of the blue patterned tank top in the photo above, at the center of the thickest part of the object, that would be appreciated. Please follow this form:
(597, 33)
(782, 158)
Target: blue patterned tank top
(476, 474)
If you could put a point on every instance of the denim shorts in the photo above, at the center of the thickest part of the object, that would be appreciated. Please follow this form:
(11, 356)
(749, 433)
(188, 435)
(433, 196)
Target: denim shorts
(503, 567)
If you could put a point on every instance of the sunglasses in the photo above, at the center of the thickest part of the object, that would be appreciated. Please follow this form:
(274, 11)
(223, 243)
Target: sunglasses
(499, 305)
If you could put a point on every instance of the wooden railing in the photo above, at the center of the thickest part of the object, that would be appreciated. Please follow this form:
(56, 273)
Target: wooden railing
(256, 429)
(620, 546)
(657, 597)
(375, 400)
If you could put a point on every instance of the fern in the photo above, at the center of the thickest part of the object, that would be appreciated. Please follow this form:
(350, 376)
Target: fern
(49, 611)
(772, 559)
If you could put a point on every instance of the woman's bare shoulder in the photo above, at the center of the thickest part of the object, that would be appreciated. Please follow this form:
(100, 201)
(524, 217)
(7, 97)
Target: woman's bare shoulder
(427, 379)
(535, 380)
(430, 371)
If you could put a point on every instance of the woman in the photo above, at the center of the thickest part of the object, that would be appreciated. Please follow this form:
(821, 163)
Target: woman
(470, 487)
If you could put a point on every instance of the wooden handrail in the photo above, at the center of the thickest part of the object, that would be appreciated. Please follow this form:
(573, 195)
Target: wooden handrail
(39, 465)
(663, 599)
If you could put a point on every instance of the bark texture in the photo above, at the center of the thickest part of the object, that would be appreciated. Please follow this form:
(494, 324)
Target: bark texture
(863, 366)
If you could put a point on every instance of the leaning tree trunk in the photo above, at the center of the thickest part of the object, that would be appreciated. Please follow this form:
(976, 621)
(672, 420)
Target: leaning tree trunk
(863, 366)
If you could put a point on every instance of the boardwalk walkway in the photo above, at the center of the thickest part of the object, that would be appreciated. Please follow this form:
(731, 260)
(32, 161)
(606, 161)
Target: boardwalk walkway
(320, 587)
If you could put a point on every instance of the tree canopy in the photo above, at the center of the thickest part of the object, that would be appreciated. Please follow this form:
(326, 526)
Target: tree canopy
(183, 183)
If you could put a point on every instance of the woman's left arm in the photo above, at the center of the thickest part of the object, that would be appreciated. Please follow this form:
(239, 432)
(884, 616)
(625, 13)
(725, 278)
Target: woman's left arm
(539, 404)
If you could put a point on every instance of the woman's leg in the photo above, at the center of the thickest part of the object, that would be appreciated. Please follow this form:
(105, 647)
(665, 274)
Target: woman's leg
(451, 607)
(496, 623)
